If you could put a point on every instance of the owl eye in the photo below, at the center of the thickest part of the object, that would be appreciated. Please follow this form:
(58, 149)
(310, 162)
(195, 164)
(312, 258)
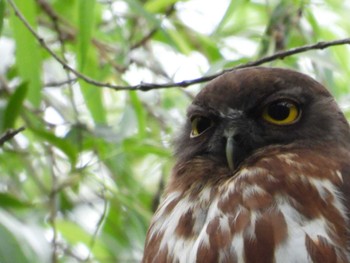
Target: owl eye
(200, 125)
(281, 112)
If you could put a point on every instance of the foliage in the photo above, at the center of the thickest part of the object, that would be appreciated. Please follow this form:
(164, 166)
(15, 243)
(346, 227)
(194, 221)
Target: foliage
(81, 182)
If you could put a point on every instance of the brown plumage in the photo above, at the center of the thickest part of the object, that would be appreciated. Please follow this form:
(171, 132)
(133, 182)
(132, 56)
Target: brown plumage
(262, 175)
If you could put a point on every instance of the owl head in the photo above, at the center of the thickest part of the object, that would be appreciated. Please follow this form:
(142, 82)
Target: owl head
(262, 172)
(247, 110)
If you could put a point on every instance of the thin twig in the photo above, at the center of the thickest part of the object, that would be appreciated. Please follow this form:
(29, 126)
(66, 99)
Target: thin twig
(149, 86)
(60, 83)
(9, 134)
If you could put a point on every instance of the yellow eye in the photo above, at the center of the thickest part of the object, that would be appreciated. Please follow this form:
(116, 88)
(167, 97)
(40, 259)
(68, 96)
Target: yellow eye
(281, 112)
(200, 125)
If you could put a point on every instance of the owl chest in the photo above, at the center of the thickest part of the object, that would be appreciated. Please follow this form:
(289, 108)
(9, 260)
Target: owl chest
(235, 226)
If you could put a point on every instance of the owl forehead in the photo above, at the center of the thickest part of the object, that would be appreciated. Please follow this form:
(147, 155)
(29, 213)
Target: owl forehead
(247, 88)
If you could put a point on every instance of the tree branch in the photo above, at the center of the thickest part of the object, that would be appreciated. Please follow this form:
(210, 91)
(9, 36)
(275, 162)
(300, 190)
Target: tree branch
(149, 86)
(60, 83)
(9, 134)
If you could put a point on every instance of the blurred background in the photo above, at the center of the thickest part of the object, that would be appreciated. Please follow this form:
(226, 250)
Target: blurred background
(81, 182)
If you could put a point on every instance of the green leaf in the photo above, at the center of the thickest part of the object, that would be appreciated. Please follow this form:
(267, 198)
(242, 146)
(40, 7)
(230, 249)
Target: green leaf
(28, 57)
(21, 243)
(93, 96)
(10, 201)
(2, 14)
(80, 137)
(76, 234)
(141, 11)
(14, 106)
(67, 9)
(73, 232)
(230, 12)
(140, 112)
(86, 26)
(200, 42)
(144, 148)
(180, 41)
(87, 61)
(60, 143)
(156, 6)
(10, 249)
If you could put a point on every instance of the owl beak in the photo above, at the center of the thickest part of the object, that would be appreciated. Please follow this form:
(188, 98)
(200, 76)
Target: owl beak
(237, 138)
(229, 150)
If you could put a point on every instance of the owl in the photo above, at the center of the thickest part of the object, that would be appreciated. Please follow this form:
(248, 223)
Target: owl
(261, 175)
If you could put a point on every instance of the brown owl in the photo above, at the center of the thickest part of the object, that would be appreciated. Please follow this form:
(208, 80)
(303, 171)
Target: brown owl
(262, 175)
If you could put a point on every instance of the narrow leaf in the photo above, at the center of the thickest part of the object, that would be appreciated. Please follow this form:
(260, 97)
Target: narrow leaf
(21, 242)
(9, 201)
(10, 249)
(87, 61)
(14, 106)
(28, 57)
(180, 41)
(93, 95)
(2, 13)
(76, 234)
(60, 143)
(156, 6)
(139, 9)
(86, 25)
(140, 112)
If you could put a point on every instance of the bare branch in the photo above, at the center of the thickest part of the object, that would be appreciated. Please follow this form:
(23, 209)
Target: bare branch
(60, 83)
(9, 134)
(149, 86)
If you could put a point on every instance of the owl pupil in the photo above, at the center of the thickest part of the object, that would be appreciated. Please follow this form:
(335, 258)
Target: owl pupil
(203, 124)
(279, 111)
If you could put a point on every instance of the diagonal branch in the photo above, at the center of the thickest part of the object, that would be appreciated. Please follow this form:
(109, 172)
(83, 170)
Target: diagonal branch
(149, 86)
(9, 134)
